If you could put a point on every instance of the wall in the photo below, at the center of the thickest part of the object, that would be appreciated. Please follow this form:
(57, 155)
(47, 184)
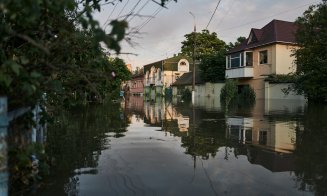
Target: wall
(169, 77)
(274, 91)
(257, 84)
(204, 90)
(284, 60)
(263, 69)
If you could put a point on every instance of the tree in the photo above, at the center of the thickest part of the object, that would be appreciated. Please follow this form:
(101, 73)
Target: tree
(311, 56)
(210, 51)
(238, 42)
(213, 67)
(54, 47)
(206, 43)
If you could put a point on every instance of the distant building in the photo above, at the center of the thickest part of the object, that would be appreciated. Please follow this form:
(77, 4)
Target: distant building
(160, 75)
(185, 82)
(129, 67)
(136, 84)
(266, 52)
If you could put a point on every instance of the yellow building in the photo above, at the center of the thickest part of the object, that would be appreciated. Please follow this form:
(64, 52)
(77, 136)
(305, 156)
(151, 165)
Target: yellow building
(267, 51)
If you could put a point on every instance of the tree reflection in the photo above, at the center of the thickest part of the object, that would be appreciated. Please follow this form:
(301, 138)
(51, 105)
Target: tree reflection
(205, 135)
(311, 151)
(78, 137)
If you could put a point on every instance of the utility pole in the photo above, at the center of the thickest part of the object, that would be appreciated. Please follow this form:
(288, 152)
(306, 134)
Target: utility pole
(194, 37)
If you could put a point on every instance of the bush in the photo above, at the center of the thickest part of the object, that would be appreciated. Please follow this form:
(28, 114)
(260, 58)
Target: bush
(247, 94)
(228, 92)
(186, 94)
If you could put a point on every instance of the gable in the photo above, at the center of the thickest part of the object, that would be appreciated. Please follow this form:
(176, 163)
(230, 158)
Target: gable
(276, 31)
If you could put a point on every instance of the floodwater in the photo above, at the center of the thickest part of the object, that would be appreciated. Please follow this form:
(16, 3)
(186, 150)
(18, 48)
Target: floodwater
(274, 147)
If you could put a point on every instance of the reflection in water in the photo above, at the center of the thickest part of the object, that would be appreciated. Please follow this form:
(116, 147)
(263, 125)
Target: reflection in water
(311, 151)
(76, 141)
(266, 134)
(272, 148)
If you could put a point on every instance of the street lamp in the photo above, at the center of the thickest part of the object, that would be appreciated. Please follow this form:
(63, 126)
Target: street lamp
(193, 56)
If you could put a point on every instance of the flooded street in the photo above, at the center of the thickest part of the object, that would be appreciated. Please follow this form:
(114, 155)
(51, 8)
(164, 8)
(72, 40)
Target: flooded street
(164, 148)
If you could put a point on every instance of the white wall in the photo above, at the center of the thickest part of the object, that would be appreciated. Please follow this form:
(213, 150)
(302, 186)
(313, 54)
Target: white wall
(274, 91)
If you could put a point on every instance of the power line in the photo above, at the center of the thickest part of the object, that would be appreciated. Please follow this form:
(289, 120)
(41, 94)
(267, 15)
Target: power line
(155, 13)
(104, 25)
(139, 10)
(224, 16)
(213, 13)
(122, 8)
(132, 9)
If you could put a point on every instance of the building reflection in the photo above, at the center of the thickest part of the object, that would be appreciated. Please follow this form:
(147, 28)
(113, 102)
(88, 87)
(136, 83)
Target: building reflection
(266, 132)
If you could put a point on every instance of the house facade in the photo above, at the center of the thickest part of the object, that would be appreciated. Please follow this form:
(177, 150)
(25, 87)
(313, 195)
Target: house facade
(266, 52)
(136, 84)
(160, 75)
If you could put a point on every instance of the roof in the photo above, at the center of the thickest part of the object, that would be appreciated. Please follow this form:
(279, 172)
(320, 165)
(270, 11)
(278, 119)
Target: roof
(137, 75)
(187, 79)
(169, 64)
(277, 31)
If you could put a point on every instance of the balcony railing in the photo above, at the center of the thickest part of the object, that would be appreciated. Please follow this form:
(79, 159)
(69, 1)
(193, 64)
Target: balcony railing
(241, 72)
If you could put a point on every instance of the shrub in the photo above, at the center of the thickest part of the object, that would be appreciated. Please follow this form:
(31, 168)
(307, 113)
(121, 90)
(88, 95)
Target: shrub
(228, 92)
(247, 94)
(186, 94)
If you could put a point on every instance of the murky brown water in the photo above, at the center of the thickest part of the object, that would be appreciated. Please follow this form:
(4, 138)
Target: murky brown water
(141, 148)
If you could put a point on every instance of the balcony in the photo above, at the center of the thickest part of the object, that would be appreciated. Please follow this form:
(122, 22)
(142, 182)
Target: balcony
(241, 72)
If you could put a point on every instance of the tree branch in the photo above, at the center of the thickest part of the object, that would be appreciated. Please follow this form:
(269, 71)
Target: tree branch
(34, 43)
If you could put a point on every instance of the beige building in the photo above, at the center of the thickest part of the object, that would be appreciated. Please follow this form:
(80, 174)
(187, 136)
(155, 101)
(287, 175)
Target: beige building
(266, 52)
(160, 75)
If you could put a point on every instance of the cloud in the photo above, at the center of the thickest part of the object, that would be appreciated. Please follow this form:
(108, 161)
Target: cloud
(163, 34)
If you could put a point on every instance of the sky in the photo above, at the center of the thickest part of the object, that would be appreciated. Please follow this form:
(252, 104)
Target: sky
(161, 30)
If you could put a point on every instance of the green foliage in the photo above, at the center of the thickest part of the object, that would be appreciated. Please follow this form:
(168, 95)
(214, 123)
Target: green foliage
(311, 56)
(213, 67)
(281, 78)
(23, 171)
(54, 47)
(247, 94)
(228, 93)
(206, 43)
(210, 50)
(238, 42)
(186, 94)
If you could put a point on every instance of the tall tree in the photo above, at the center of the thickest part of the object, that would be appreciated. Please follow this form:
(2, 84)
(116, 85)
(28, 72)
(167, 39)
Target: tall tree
(311, 56)
(206, 43)
(54, 47)
(238, 42)
(210, 51)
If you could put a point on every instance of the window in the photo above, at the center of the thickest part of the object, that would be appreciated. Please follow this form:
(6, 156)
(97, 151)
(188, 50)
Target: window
(248, 58)
(263, 57)
(239, 60)
(235, 60)
(227, 62)
(183, 63)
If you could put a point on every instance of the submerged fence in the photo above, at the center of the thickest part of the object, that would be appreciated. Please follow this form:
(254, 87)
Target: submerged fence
(5, 118)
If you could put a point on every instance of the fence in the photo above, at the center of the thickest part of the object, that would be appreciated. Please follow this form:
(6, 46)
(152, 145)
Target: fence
(5, 118)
